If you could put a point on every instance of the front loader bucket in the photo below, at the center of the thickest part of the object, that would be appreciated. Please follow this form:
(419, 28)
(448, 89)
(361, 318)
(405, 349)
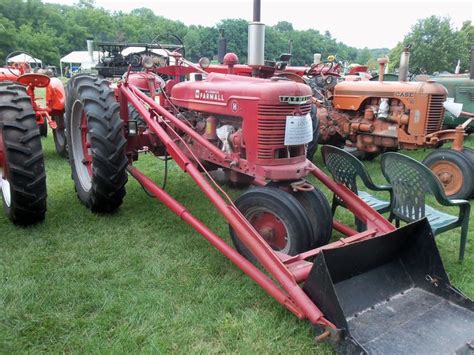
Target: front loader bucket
(391, 295)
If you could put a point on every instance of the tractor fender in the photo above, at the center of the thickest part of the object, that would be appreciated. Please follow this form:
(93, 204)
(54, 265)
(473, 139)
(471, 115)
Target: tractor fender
(55, 95)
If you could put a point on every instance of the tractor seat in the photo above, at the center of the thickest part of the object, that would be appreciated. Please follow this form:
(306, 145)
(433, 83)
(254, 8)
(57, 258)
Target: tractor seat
(34, 79)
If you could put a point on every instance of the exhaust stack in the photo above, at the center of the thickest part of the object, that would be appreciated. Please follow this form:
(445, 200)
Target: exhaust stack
(90, 49)
(221, 46)
(404, 63)
(256, 38)
(382, 67)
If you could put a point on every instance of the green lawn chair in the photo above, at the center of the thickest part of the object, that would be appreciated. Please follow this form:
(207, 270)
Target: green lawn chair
(411, 182)
(345, 168)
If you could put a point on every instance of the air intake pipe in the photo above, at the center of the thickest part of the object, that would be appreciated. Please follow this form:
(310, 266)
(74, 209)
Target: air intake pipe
(382, 65)
(256, 38)
(404, 64)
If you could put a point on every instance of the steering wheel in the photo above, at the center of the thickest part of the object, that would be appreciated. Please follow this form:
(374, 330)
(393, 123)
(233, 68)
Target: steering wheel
(181, 49)
(23, 67)
(319, 68)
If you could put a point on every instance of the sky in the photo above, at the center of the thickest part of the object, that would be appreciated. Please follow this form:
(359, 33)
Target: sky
(373, 24)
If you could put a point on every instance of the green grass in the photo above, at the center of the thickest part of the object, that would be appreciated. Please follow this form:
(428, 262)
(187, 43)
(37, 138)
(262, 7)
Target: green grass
(141, 280)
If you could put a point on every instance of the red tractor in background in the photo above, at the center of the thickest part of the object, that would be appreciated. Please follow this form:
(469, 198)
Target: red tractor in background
(22, 121)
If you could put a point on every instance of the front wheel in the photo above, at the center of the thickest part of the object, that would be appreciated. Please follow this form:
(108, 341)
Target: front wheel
(318, 210)
(313, 145)
(96, 143)
(59, 135)
(22, 172)
(43, 129)
(454, 171)
(278, 217)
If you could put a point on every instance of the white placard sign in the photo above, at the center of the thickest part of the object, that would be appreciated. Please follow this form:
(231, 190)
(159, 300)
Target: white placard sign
(298, 130)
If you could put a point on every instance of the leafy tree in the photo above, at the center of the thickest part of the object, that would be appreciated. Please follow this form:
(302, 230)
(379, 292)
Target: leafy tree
(466, 35)
(283, 26)
(436, 46)
(50, 31)
(7, 37)
(363, 56)
(236, 33)
(40, 44)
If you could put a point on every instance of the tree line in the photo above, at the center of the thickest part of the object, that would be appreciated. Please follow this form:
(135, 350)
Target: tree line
(50, 31)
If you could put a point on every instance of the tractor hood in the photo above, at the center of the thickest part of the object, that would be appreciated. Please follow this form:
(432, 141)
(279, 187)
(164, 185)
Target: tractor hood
(350, 95)
(224, 90)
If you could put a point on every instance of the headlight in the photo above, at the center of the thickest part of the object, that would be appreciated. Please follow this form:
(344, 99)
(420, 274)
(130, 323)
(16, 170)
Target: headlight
(147, 62)
(204, 62)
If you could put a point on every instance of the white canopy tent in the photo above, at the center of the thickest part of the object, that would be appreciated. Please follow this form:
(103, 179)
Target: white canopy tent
(80, 57)
(159, 51)
(25, 58)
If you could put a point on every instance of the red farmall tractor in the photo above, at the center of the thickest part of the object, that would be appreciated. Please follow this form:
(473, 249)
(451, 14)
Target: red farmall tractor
(257, 131)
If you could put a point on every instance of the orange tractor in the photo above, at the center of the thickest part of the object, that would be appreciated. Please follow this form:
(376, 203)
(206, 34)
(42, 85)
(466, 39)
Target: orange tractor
(22, 120)
(376, 116)
(52, 113)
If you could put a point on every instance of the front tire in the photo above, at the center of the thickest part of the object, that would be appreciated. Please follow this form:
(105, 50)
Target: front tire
(59, 136)
(454, 171)
(22, 173)
(278, 217)
(318, 210)
(96, 143)
(313, 145)
(43, 129)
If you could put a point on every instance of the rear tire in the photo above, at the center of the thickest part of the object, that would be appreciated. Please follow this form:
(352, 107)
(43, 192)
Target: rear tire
(59, 135)
(469, 153)
(23, 177)
(454, 171)
(96, 143)
(278, 217)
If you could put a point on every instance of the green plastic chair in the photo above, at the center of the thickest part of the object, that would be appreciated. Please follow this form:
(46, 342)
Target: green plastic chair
(411, 182)
(345, 168)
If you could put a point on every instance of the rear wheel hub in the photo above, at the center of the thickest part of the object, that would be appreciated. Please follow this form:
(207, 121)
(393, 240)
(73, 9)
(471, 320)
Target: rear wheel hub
(450, 176)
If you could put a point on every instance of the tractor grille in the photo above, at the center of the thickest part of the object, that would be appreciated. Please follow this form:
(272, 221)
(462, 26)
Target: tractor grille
(271, 126)
(435, 117)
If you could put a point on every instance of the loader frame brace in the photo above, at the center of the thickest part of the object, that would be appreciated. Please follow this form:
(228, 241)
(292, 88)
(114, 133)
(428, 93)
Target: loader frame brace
(287, 271)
